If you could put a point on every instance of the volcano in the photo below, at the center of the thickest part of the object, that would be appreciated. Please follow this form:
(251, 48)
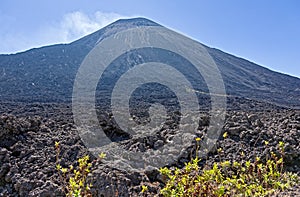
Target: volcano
(47, 74)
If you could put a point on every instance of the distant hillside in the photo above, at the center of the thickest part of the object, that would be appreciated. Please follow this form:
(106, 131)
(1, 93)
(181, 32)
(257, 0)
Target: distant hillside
(47, 74)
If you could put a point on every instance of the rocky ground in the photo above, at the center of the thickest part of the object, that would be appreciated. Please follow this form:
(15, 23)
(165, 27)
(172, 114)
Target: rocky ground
(28, 133)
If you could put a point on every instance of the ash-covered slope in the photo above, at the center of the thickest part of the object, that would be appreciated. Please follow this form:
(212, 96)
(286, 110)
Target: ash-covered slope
(247, 79)
(47, 74)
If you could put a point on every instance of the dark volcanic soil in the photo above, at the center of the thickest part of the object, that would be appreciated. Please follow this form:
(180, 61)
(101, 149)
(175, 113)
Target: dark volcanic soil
(28, 133)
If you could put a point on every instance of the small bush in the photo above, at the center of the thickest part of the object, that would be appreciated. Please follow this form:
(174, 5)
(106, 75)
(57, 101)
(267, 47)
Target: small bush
(229, 178)
(74, 179)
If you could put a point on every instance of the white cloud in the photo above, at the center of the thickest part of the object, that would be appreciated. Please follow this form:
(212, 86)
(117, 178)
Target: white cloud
(72, 26)
(77, 24)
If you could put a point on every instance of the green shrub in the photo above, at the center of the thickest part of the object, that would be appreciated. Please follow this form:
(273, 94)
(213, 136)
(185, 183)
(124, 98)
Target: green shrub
(229, 178)
(74, 179)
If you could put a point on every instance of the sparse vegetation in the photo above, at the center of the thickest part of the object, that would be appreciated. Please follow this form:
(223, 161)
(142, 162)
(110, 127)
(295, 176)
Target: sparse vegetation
(74, 179)
(226, 178)
(144, 188)
(257, 177)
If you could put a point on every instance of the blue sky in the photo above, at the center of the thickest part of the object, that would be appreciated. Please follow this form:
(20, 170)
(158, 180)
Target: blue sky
(265, 32)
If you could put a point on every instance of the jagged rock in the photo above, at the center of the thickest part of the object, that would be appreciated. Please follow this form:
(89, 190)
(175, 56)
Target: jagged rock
(27, 154)
(236, 130)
